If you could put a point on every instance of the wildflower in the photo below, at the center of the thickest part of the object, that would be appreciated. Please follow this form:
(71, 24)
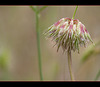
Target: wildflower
(69, 34)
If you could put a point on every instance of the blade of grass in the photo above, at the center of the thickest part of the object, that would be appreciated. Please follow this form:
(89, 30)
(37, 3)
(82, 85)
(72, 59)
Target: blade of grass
(97, 76)
(90, 51)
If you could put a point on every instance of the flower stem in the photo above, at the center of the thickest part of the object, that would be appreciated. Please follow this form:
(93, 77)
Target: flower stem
(75, 12)
(70, 65)
(35, 9)
(38, 44)
(69, 54)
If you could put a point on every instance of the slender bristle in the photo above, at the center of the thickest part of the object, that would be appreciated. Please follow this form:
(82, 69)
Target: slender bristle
(69, 33)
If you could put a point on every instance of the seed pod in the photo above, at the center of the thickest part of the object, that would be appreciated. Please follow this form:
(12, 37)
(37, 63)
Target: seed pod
(69, 34)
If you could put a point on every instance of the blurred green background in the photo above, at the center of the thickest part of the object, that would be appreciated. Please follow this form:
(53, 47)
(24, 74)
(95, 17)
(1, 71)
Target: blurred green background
(18, 46)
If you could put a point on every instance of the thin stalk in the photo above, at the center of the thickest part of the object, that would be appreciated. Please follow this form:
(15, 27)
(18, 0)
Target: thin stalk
(75, 12)
(38, 45)
(70, 65)
(35, 9)
(69, 54)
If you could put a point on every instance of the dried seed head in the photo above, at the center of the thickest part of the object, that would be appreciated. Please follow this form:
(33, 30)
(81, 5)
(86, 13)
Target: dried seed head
(69, 33)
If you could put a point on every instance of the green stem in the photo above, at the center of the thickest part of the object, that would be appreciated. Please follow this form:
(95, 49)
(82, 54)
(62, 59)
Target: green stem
(75, 12)
(70, 65)
(38, 44)
(42, 8)
(35, 9)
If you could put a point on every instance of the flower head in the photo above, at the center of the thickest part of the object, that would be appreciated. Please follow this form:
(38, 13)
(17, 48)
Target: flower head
(69, 34)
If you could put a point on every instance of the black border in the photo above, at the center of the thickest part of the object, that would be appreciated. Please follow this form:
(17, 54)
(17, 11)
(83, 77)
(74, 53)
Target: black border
(49, 2)
(49, 83)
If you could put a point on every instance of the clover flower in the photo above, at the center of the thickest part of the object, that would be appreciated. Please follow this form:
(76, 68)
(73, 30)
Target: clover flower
(69, 34)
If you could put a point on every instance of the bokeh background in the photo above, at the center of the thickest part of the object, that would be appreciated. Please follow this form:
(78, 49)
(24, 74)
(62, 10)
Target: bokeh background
(18, 45)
